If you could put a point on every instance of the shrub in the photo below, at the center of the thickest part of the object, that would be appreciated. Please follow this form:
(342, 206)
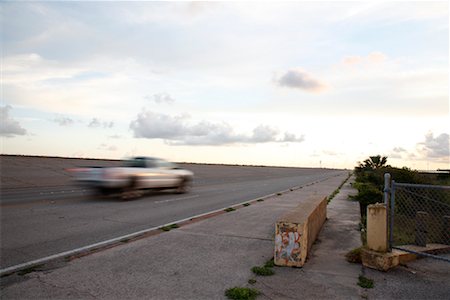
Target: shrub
(239, 293)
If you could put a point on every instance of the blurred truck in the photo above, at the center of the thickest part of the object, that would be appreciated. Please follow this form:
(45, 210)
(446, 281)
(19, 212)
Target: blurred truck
(136, 174)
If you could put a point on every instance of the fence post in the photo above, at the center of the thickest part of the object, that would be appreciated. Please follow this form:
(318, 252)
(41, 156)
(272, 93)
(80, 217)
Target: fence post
(391, 214)
(421, 228)
(387, 189)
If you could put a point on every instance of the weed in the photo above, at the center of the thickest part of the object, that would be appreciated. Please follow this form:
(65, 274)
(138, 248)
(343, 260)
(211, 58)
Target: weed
(229, 209)
(269, 263)
(29, 270)
(354, 256)
(263, 271)
(252, 281)
(169, 227)
(240, 293)
(260, 200)
(279, 194)
(365, 282)
(246, 204)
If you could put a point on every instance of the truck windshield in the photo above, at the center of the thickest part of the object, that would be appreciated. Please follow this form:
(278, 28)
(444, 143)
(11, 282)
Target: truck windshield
(135, 163)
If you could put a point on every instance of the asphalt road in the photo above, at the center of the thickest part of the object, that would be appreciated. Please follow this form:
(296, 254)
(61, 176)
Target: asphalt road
(42, 213)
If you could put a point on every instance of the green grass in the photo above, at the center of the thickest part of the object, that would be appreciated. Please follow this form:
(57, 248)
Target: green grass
(263, 271)
(269, 263)
(354, 256)
(240, 293)
(229, 209)
(169, 227)
(365, 282)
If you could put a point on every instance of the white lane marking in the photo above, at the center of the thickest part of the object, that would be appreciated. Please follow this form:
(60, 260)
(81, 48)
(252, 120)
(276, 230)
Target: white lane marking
(177, 199)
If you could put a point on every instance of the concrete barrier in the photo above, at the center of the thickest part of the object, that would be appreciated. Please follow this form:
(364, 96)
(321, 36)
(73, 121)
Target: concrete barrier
(296, 231)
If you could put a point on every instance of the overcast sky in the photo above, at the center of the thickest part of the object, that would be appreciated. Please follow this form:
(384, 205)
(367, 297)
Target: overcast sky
(268, 83)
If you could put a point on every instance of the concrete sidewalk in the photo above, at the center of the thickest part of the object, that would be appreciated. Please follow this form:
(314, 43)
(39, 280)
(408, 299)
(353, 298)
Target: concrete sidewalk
(203, 259)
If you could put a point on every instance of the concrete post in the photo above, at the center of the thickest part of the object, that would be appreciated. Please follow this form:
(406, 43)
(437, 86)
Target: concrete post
(421, 228)
(377, 227)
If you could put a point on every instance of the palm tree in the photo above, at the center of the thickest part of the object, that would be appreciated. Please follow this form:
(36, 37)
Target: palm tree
(374, 162)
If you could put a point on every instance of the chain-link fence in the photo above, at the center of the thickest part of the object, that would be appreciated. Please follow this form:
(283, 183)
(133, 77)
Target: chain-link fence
(420, 217)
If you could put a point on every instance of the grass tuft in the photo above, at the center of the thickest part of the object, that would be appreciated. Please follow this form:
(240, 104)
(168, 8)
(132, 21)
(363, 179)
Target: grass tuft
(240, 293)
(246, 204)
(269, 263)
(229, 209)
(354, 256)
(169, 227)
(365, 282)
(263, 271)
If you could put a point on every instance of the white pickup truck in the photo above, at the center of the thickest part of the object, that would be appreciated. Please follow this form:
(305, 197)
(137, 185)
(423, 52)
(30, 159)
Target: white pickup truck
(137, 173)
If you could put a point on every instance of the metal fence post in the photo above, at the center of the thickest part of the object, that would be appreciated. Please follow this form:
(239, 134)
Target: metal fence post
(387, 189)
(387, 184)
(391, 214)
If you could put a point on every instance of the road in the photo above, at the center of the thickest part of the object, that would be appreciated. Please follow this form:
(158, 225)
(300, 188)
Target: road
(55, 216)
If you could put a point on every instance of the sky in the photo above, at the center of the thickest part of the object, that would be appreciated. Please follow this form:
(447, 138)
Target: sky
(302, 84)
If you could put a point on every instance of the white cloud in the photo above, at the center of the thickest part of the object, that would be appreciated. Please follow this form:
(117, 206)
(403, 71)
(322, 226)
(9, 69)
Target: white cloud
(161, 98)
(177, 131)
(96, 123)
(435, 147)
(300, 79)
(9, 127)
(63, 121)
(373, 58)
(107, 147)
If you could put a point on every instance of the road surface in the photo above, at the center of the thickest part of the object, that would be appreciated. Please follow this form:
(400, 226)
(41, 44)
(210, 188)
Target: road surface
(43, 213)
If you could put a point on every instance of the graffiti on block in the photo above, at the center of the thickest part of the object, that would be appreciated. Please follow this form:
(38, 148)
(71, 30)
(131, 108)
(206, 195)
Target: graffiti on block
(287, 243)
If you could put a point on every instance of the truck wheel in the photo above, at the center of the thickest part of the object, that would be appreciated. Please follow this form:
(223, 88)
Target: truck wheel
(131, 191)
(184, 186)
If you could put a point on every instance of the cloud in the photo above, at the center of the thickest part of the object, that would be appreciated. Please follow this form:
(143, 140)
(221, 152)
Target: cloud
(115, 136)
(161, 98)
(107, 147)
(290, 137)
(435, 147)
(300, 79)
(9, 127)
(63, 121)
(375, 57)
(175, 130)
(96, 123)
(352, 60)
(399, 149)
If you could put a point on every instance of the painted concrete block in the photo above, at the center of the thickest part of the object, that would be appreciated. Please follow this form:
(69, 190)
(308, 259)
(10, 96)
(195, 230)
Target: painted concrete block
(296, 232)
